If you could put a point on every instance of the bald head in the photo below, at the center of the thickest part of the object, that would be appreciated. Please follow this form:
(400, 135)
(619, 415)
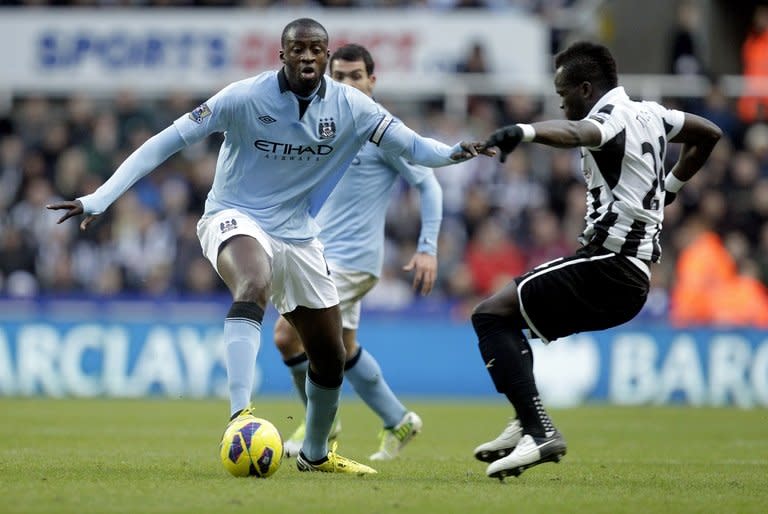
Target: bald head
(302, 25)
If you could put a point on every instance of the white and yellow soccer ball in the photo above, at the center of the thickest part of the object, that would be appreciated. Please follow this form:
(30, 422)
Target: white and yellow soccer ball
(251, 446)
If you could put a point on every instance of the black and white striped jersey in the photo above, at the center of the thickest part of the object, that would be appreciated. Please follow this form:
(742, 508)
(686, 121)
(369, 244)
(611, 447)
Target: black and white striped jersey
(625, 174)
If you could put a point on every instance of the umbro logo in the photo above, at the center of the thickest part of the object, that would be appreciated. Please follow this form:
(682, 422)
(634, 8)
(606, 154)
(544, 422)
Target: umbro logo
(267, 119)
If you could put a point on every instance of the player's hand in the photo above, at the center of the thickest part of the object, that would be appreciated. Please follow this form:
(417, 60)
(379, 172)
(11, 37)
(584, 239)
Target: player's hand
(471, 149)
(425, 272)
(73, 208)
(669, 197)
(505, 139)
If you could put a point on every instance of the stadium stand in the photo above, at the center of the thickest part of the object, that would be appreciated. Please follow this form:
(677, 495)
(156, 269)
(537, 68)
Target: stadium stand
(531, 207)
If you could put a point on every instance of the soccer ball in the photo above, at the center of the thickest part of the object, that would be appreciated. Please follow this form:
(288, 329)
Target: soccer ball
(251, 446)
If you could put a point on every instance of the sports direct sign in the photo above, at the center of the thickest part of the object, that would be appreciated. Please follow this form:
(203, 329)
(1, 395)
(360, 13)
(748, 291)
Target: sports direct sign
(202, 50)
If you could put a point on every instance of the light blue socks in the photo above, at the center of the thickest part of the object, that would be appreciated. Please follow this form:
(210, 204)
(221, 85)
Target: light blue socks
(364, 373)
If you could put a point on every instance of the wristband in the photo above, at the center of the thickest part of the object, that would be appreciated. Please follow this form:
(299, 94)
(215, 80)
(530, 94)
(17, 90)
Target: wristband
(672, 183)
(528, 132)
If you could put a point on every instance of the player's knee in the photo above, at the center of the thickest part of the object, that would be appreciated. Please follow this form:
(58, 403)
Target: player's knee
(483, 322)
(492, 312)
(252, 289)
(351, 345)
(287, 339)
(503, 303)
(489, 306)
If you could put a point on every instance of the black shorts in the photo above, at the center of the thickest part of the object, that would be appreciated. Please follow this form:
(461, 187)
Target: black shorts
(594, 289)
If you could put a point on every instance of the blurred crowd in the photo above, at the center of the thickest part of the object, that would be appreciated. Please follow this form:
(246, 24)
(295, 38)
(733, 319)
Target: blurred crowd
(499, 219)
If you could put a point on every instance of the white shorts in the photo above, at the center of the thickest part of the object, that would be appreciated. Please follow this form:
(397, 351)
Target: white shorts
(300, 275)
(352, 287)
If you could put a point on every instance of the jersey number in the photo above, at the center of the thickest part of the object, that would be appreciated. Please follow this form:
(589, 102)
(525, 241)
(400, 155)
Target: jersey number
(650, 201)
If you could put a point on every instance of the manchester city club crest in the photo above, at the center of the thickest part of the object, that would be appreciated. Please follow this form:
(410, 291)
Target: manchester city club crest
(326, 129)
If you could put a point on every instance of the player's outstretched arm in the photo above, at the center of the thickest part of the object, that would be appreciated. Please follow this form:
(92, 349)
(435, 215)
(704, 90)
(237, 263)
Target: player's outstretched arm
(142, 161)
(73, 208)
(400, 140)
(557, 133)
(470, 149)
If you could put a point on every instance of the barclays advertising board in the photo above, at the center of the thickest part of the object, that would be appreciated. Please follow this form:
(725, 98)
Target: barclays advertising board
(133, 349)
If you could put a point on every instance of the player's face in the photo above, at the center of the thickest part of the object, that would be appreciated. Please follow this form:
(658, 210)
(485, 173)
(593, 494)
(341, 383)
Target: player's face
(573, 97)
(353, 74)
(305, 56)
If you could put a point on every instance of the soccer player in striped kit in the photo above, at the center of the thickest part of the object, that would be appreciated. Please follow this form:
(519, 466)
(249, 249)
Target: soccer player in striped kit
(623, 147)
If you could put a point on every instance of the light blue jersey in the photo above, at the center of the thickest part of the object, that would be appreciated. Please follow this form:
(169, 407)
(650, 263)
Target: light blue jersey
(352, 220)
(278, 162)
(278, 167)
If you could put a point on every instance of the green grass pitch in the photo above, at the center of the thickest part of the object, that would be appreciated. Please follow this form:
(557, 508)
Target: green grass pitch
(145, 456)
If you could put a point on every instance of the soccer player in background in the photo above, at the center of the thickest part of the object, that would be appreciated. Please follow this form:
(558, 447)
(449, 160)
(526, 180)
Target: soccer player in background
(623, 146)
(289, 136)
(352, 231)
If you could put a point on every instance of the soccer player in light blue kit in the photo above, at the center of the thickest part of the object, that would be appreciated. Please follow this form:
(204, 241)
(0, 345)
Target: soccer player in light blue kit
(289, 135)
(352, 231)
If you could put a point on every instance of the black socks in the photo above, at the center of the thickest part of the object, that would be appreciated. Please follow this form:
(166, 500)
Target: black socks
(509, 360)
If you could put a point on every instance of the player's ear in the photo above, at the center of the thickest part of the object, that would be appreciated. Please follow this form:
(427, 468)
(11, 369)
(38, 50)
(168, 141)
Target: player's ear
(372, 78)
(282, 56)
(586, 89)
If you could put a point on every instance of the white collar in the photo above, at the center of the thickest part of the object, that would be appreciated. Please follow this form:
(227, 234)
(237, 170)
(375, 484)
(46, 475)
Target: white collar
(615, 94)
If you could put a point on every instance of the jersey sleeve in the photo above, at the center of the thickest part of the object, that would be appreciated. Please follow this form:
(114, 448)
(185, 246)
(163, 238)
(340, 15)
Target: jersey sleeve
(412, 173)
(210, 116)
(142, 161)
(431, 203)
(367, 113)
(608, 124)
(430, 197)
(672, 119)
(394, 138)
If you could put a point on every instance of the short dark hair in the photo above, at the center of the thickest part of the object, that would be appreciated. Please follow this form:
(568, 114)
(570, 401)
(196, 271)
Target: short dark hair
(584, 61)
(353, 52)
(304, 23)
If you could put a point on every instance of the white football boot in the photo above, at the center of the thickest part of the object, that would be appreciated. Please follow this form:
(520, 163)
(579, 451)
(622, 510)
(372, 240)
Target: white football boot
(530, 451)
(502, 445)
